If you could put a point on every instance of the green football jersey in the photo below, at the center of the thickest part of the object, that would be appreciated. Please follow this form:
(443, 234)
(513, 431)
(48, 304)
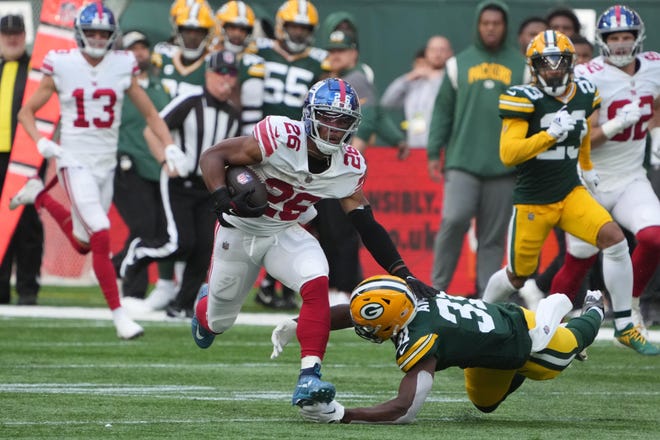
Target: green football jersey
(462, 332)
(552, 174)
(177, 78)
(286, 82)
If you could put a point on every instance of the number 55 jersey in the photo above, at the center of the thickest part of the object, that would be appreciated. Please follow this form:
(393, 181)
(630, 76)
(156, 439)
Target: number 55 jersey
(620, 159)
(91, 99)
(552, 174)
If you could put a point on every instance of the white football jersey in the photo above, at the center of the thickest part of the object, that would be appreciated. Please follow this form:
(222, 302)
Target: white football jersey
(292, 188)
(620, 160)
(91, 99)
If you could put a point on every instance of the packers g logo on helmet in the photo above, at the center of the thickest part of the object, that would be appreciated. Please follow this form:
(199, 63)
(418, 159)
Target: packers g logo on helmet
(551, 58)
(300, 12)
(381, 306)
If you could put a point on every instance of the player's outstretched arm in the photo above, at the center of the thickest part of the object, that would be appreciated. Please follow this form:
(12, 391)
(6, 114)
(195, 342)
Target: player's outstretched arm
(413, 390)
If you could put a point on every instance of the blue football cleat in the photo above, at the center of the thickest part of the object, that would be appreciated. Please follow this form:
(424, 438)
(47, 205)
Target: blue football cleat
(202, 337)
(311, 388)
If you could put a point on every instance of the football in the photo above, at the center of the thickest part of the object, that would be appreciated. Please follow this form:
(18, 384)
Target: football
(242, 179)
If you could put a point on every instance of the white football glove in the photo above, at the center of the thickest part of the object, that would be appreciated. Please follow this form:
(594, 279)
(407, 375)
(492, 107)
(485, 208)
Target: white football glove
(282, 335)
(561, 125)
(176, 160)
(591, 180)
(626, 116)
(48, 148)
(331, 412)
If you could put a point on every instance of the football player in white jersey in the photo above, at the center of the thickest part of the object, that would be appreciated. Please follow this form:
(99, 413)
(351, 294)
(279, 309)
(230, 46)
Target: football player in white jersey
(90, 82)
(300, 162)
(629, 83)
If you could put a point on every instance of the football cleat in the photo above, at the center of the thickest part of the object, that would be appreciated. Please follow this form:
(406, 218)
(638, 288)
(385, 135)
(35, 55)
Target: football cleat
(28, 194)
(593, 298)
(202, 337)
(310, 388)
(126, 327)
(631, 337)
(164, 292)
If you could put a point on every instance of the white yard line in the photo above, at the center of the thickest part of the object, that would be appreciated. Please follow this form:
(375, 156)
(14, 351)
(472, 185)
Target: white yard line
(266, 319)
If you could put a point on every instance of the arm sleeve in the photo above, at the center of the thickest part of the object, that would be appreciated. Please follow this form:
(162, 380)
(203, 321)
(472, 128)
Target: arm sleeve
(376, 239)
(442, 118)
(515, 147)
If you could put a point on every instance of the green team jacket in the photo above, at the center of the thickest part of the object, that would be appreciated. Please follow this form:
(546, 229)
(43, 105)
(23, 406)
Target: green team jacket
(465, 117)
(462, 332)
(131, 139)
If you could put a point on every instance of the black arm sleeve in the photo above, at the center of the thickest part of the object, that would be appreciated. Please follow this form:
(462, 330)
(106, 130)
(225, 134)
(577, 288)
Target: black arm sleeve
(378, 241)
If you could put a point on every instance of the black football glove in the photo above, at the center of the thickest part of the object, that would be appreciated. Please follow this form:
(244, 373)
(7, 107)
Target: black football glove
(239, 205)
(420, 289)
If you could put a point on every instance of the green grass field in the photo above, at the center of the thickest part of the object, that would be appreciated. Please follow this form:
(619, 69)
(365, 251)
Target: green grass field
(73, 379)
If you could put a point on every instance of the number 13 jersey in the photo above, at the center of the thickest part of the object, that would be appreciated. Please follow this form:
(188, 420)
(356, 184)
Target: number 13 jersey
(91, 99)
(292, 188)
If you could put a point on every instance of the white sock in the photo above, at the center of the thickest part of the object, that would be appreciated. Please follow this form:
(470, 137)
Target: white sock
(618, 277)
(499, 288)
(309, 362)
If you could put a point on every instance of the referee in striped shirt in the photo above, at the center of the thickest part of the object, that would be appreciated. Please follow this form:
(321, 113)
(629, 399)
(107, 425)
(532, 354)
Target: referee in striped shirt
(197, 122)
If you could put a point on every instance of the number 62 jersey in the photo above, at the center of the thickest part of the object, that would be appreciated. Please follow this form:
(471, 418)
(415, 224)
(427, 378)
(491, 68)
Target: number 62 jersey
(620, 160)
(292, 188)
(91, 99)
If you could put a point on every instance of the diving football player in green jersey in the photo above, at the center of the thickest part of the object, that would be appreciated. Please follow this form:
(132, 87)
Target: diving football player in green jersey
(498, 346)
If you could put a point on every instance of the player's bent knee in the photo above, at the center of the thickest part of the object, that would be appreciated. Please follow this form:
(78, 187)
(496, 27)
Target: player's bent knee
(609, 235)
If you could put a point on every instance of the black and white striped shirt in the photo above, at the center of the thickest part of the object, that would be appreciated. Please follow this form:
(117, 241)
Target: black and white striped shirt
(198, 121)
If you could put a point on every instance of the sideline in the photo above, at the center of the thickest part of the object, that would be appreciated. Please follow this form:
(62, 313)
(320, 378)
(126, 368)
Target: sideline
(263, 319)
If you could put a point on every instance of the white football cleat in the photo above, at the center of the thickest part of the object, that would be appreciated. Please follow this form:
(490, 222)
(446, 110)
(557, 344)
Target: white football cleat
(638, 319)
(164, 292)
(27, 194)
(126, 327)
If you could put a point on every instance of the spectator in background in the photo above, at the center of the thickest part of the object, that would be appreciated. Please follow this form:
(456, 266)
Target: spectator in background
(416, 90)
(565, 21)
(584, 50)
(465, 124)
(376, 122)
(26, 246)
(197, 121)
(292, 66)
(528, 29)
(136, 185)
(182, 71)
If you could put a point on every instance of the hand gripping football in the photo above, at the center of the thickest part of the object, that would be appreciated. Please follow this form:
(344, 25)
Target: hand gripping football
(242, 180)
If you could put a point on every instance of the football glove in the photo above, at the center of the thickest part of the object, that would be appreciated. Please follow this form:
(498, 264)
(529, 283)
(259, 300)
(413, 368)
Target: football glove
(420, 289)
(626, 116)
(331, 412)
(282, 335)
(176, 160)
(48, 148)
(591, 180)
(237, 205)
(561, 125)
